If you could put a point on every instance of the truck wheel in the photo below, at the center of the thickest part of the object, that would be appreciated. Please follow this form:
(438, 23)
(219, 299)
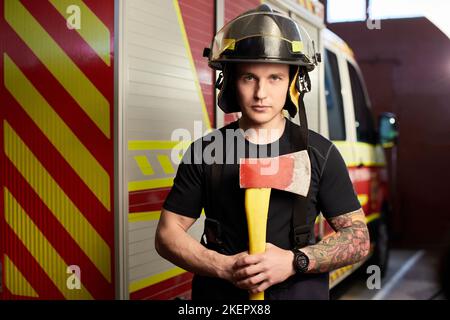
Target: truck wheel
(380, 256)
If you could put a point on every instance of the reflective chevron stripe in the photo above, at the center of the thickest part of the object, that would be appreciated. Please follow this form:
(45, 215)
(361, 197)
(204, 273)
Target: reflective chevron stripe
(57, 159)
(59, 64)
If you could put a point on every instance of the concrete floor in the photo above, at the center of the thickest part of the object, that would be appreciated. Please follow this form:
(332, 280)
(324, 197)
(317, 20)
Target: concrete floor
(411, 275)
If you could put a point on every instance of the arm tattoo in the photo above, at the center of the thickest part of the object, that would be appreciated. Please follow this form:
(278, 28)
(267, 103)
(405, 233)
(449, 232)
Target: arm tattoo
(350, 244)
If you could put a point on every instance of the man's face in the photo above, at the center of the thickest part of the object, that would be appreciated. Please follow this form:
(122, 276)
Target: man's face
(261, 91)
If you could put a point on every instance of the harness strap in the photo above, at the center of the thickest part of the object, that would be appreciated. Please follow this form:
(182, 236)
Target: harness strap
(301, 231)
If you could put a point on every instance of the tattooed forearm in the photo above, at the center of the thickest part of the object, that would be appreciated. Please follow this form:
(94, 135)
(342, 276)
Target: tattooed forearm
(348, 245)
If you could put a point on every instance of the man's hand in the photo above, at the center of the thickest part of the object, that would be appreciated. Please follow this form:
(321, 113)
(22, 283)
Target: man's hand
(258, 272)
(226, 265)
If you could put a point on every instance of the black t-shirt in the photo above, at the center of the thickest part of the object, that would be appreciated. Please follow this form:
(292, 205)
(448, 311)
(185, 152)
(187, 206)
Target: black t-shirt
(331, 192)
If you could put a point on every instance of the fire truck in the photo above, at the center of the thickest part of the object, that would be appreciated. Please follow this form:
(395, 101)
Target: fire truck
(91, 93)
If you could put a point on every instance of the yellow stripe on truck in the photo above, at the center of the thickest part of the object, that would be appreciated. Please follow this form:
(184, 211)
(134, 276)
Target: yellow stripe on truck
(363, 198)
(59, 134)
(150, 184)
(92, 29)
(372, 217)
(166, 164)
(365, 153)
(40, 248)
(144, 216)
(59, 64)
(157, 145)
(15, 281)
(73, 221)
(144, 165)
(146, 282)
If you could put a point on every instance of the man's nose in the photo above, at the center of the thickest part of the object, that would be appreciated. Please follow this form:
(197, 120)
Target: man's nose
(260, 91)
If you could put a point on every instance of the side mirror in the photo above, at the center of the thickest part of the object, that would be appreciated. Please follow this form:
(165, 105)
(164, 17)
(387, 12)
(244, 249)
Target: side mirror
(387, 129)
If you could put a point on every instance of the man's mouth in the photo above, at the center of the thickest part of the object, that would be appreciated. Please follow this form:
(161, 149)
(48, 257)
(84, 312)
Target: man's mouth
(259, 108)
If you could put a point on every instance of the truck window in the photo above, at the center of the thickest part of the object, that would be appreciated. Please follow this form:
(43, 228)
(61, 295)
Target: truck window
(335, 110)
(365, 131)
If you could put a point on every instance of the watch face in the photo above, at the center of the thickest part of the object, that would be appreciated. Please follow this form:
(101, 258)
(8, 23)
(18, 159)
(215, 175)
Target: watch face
(301, 262)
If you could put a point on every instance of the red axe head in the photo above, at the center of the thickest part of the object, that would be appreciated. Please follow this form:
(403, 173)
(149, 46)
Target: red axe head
(290, 172)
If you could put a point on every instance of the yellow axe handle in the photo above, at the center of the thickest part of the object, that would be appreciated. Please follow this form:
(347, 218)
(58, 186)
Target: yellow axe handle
(256, 210)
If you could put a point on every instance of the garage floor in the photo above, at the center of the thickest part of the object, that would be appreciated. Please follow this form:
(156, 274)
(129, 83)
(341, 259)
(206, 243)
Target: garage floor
(411, 275)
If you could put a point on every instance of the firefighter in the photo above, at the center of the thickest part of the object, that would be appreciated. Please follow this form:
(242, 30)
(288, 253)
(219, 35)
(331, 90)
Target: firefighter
(265, 59)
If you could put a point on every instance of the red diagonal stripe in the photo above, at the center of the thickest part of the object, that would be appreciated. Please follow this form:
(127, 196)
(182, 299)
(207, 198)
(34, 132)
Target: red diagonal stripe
(55, 233)
(106, 16)
(61, 171)
(74, 45)
(60, 100)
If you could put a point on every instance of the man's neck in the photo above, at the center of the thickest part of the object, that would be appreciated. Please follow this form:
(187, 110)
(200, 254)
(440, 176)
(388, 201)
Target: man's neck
(263, 133)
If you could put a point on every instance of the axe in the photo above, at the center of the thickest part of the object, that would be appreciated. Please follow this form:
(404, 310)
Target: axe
(290, 172)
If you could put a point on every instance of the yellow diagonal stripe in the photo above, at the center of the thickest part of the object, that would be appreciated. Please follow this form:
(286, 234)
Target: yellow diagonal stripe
(40, 248)
(92, 29)
(16, 283)
(59, 64)
(59, 134)
(165, 163)
(57, 201)
(176, 6)
(144, 165)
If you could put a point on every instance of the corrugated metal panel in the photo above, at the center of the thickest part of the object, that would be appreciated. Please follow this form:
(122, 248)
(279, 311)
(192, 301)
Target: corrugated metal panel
(144, 261)
(168, 85)
(57, 151)
(198, 19)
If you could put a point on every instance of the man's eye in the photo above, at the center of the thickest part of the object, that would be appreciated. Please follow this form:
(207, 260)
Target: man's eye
(248, 78)
(274, 77)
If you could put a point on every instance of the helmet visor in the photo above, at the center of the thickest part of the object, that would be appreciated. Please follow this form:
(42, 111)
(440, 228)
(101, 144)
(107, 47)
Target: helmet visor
(262, 35)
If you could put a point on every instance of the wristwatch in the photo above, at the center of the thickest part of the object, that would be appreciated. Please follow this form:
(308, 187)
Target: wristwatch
(301, 261)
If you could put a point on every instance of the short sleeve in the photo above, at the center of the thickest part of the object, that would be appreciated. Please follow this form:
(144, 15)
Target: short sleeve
(185, 197)
(336, 193)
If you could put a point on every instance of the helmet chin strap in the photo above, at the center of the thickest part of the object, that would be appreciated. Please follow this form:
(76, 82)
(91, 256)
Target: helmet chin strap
(300, 85)
(219, 81)
(304, 85)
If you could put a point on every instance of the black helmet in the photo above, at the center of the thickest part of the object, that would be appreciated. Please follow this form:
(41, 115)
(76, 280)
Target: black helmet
(262, 35)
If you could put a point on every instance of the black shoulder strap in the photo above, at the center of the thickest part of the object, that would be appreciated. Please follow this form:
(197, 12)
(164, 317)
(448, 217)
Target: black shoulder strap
(299, 141)
(215, 172)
